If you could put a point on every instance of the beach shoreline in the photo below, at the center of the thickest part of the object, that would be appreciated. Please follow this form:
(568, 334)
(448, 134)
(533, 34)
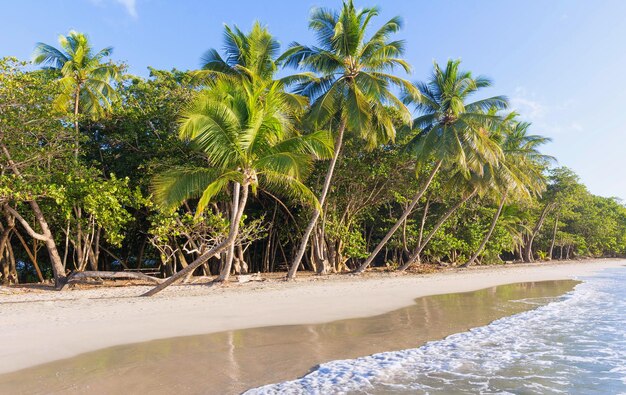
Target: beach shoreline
(40, 327)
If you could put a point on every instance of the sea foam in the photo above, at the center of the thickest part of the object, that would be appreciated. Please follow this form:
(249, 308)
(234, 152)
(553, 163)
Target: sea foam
(575, 344)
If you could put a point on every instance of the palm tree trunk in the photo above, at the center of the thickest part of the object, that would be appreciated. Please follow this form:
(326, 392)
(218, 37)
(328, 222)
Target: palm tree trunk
(400, 220)
(423, 224)
(316, 213)
(218, 249)
(76, 128)
(556, 226)
(234, 228)
(488, 235)
(230, 254)
(442, 220)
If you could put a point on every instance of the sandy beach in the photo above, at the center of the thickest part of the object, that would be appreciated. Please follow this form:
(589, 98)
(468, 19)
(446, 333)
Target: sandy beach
(43, 326)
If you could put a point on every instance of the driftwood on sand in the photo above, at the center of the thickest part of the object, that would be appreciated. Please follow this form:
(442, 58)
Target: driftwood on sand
(82, 277)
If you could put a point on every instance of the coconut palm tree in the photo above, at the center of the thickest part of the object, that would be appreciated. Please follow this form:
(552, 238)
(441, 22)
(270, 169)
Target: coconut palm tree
(520, 174)
(353, 87)
(86, 82)
(452, 133)
(247, 57)
(246, 132)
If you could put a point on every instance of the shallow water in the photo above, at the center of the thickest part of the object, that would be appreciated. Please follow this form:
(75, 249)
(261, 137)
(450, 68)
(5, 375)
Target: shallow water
(233, 361)
(574, 345)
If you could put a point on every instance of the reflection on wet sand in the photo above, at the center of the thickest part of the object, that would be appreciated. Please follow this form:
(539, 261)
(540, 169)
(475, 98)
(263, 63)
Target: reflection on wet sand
(232, 361)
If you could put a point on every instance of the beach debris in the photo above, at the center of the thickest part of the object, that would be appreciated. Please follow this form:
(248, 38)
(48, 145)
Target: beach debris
(245, 278)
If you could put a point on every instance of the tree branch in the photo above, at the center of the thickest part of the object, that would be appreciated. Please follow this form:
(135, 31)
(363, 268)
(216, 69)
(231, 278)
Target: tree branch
(31, 232)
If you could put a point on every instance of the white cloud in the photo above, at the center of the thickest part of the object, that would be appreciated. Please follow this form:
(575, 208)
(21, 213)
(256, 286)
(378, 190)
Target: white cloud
(576, 126)
(533, 110)
(546, 119)
(130, 5)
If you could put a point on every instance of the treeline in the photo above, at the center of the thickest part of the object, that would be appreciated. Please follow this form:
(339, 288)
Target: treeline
(339, 165)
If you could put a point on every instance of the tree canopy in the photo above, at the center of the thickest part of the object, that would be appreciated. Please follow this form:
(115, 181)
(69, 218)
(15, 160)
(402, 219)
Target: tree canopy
(320, 157)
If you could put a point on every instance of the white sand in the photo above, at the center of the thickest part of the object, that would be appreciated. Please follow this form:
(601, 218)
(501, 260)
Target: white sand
(39, 327)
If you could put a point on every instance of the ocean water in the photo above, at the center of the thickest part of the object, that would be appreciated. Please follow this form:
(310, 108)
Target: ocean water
(575, 344)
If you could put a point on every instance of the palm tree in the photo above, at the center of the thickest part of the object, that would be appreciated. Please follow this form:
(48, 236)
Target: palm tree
(519, 174)
(86, 83)
(452, 133)
(353, 88)
(246, 57)
(246, 132)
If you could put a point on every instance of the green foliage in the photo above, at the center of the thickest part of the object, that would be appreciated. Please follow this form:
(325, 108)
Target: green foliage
(85, 83)
(352, 241)
(105, 201)
(149, 153)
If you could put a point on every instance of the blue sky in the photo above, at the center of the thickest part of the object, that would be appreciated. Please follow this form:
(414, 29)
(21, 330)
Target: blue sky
(560, 62)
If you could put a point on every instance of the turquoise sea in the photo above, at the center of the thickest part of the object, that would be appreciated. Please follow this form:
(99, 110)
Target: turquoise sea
(575, 344)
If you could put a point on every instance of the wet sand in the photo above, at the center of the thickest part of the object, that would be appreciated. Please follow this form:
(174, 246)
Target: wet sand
(233, 361)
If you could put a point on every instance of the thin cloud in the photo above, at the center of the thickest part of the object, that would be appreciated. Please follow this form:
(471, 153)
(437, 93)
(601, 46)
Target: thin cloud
(545, 118)
(130, 5)
(531, 109)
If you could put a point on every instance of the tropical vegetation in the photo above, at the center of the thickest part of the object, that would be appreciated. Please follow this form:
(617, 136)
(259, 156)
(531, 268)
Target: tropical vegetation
(323, 158)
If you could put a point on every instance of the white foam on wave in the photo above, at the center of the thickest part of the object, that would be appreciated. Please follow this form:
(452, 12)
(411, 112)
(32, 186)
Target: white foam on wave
(570, 345)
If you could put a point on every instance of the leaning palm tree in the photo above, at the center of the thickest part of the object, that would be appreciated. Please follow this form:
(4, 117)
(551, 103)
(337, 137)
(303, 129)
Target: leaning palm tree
(453, 133)
(246, 132)
(353, 88)
(86, 82)
(520, 174)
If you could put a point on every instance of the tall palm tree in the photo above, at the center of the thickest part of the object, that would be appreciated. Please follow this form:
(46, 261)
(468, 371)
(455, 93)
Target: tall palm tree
(246, 132)
(353, 87)
(520, 174)
(453, 133)
(86, 81)
(247, 57)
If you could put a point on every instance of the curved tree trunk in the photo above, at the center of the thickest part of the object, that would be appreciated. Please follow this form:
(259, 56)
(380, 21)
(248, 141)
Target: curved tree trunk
(218, 249)
(316, 213)
(234, 229)
(416, 256)
(528, 248)
(230, 254)
(488, 235)
(400, 220)
(556, 226)
(60, 280)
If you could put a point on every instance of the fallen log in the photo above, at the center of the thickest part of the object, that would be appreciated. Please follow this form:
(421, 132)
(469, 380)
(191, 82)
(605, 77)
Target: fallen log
(99, 275)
